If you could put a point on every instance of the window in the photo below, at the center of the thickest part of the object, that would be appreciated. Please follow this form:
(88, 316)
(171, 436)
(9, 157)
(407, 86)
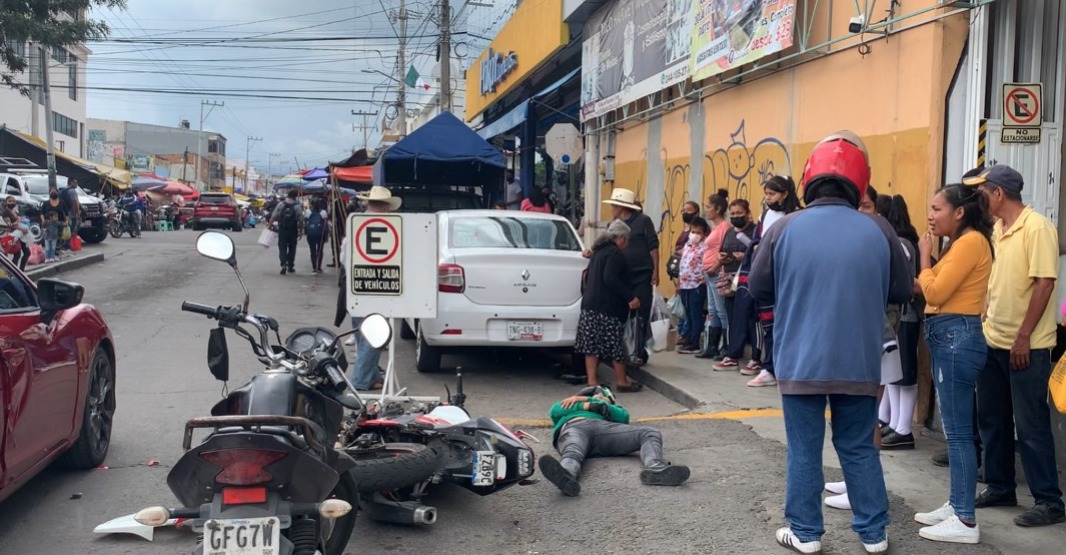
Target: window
(19, 48)
(72, 78)
(16, 295)
(212, 146)
(59, 54)
(512, 232)
(63, 124)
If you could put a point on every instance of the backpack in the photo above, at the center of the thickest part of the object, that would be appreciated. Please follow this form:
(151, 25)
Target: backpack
(287, 219)
(315, 224)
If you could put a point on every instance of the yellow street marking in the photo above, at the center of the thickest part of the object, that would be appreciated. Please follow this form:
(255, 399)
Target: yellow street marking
(725, 415)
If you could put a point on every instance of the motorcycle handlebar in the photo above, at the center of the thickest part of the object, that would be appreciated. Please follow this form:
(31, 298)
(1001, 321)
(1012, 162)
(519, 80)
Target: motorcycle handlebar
(336, 377)
(209, 311)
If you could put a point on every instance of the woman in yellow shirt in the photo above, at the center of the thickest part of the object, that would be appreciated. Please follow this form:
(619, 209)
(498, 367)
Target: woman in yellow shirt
(955, 290)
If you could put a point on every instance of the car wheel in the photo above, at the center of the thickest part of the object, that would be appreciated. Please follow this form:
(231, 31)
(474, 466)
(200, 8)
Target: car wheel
(427, 357)
(238, 227)
(405, 330)
(93, 235)
(94, 438)
(197, 227)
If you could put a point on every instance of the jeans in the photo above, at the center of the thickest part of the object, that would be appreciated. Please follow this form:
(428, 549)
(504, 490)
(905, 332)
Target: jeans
(365, 369)
(49, 249)
(716, 304)
(958, 349)
(316, 244)
(742, 327)
(598, 438)
(1009, 399)
(287, 248)
(693, 300)
(852, 418)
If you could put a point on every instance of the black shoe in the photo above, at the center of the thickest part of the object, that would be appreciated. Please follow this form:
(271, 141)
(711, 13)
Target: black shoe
(894, 441)
(688, 350)
(989, 499)
(886, 429)
(556, 474)
(940, 459)
(292, 270)
(1040, 515)
(666, 476)
(283, 271)
(708, 353)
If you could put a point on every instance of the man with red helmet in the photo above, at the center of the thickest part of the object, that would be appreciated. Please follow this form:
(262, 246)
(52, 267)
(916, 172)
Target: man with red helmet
(829, 291)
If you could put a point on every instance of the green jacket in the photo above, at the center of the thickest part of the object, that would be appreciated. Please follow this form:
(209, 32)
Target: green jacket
(560, 416)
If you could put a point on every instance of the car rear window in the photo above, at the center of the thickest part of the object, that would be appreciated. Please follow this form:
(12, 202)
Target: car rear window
(516, 232)
(215, 199)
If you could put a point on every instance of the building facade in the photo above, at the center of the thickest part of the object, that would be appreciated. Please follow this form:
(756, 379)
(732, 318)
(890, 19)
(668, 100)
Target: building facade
(165, 151)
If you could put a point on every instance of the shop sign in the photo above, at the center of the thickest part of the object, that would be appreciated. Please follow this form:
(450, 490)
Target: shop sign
(495, 69)
(634, 48)
(727, 35)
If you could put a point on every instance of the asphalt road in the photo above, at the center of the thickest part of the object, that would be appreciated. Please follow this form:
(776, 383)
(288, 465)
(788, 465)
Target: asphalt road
(732, 504)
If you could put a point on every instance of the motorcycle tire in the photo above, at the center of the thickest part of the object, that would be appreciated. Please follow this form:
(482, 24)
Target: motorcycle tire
(115, 229)
(395, 466)
(338, 538)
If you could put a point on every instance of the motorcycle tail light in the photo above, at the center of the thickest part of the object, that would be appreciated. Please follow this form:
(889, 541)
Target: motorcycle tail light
(243, 467)
(244, 496)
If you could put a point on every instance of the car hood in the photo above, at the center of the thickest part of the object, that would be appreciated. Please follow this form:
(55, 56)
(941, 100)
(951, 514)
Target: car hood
(82, 198)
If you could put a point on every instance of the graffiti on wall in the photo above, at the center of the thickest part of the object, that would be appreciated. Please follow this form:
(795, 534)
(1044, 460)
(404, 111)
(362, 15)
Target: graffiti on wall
(741, 168)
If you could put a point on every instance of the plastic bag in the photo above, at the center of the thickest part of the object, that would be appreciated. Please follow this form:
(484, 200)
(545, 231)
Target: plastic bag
(268, 238)
(631, 340)
(10, 244)
(1057, 385)
(65, 234)
(36, 255)
(660, 323)
(676, 307)
(75, 243)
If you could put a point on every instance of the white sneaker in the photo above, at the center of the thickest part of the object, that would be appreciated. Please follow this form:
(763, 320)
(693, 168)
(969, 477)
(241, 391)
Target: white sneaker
(838, 502)
(764, 379)
(879, 547)
(786, 538)
(836, 487)
(951, 530)
(935, 517)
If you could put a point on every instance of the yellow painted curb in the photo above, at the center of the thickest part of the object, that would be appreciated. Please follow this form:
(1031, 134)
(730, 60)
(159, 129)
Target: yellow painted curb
(725, 415)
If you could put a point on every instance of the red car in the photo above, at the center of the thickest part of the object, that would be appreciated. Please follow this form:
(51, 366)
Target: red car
(57, 378)
(216, 210)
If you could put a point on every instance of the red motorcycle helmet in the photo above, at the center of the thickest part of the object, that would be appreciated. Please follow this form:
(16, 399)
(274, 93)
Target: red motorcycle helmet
(841, 158)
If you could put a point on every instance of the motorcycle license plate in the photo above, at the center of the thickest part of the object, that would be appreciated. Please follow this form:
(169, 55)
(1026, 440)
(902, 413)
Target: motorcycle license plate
(245, 536)
(484, 473)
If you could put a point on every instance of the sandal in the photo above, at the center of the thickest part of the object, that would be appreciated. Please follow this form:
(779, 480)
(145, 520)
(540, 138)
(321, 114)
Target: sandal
(631, 387)
(378, 386)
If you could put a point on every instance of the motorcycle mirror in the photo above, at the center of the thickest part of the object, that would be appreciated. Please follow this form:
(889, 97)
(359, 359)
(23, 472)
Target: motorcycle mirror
(217, 245)
(376, 330)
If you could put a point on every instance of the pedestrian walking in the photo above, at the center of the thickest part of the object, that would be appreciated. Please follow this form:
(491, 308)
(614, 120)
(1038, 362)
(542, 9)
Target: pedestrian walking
(1012, 389)
(287, 220)
(641, 252)
(828, 271)
(317, 232)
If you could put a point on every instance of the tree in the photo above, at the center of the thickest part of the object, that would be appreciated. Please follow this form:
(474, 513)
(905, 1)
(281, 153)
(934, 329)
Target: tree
(47, 23)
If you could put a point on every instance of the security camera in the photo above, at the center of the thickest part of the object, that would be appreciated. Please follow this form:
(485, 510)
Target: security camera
(856, 24)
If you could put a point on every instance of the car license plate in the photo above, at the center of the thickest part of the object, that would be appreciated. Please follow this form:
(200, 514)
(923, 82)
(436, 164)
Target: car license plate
(484, 473)
(525, 331)
(245, 536)
(214, 209)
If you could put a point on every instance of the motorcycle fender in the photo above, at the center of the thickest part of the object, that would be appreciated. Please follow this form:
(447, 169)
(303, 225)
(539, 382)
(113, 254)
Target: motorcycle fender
(127, 525)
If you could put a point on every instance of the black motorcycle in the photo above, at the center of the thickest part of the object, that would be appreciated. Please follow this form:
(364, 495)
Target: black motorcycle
(267, 478)
(122, 221)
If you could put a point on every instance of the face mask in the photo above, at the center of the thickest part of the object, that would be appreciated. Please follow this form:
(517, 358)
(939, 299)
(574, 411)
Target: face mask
(776, 206)
(687, 218)
(694, 238)
(739, 221)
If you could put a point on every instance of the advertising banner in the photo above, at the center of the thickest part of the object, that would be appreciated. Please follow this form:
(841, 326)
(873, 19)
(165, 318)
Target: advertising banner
(730, 33)
(634, 48)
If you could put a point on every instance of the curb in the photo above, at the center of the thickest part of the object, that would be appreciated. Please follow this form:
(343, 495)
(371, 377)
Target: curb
(64, 266)
(664, 388)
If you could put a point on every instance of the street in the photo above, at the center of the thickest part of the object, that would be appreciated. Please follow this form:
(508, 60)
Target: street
(732, 504)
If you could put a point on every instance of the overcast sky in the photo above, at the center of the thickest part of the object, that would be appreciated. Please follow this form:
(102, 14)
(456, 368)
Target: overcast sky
(189, 46)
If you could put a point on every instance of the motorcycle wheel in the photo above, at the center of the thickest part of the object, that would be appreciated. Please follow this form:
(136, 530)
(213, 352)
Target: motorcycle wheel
(392, 467)
(115, 229)
(342, 527)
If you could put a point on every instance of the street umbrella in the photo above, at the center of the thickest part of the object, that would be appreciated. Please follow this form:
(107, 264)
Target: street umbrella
(315, 187)
(317, 173)
(145, 183)
(173, 188)
(289, 180)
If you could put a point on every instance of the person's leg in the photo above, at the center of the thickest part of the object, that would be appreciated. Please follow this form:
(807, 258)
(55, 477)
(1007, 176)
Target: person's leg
(903, 411)
(995, 415)
(1032, 415)
(804, 417)
(592, 366)
(716, 304)
(294, 241)
(693, 321)
(283, 256)
(852, 418)
(740, 324)
(573, 445)
(886, 409)
(615, 440)
(365, 372)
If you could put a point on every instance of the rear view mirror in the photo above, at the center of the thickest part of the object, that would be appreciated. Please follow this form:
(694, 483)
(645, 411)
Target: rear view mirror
(217, 245)
(56, 295)
(376, 330)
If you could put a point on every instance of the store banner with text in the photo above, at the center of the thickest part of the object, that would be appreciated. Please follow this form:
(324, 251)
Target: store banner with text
(730, 33)
(633, 48)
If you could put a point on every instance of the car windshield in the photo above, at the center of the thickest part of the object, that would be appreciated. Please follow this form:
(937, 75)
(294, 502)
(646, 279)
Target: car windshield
(38, 184)
(515, 232)
(214, 199)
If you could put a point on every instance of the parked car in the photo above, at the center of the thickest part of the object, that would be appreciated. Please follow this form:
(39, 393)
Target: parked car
(216, 210)
(57, 378)
(506, 279)
(30, 188)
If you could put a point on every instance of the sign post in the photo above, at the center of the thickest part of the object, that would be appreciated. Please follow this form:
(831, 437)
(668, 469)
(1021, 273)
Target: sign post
(563, 143)
(386, 274)
(1022, 113)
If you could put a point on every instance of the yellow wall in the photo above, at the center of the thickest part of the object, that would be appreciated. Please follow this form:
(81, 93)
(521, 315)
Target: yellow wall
(893, 97)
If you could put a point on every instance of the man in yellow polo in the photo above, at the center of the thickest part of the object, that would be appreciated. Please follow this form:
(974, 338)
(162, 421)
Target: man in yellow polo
(1012, 389)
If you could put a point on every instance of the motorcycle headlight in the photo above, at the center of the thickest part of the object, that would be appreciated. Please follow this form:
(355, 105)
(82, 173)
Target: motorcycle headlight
(525, 462)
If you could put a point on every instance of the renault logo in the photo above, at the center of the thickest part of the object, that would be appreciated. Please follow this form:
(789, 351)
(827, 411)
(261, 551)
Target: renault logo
(525, 275)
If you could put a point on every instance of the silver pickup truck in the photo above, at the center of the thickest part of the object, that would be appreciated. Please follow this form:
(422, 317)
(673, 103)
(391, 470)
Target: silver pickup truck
(30, 189)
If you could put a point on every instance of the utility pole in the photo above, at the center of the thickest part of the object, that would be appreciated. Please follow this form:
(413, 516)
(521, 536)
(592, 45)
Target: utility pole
(364, 127)
(200, 136)
(247, 153)
(49, 132)
(401, 103)
(270, 163)
(35, 89)
(445, 56)
(185, 167)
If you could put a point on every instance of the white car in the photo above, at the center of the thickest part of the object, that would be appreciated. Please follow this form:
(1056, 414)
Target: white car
(506, 279)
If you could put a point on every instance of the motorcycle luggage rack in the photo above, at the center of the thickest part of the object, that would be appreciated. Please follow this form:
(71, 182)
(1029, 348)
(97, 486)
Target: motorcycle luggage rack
(252, 423)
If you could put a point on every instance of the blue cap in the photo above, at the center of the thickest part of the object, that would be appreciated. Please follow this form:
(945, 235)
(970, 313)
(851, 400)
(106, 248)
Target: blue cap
(1000, 175)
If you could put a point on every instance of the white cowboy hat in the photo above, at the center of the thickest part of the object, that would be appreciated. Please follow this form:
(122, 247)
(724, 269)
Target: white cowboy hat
(624, 198)
(381, 194)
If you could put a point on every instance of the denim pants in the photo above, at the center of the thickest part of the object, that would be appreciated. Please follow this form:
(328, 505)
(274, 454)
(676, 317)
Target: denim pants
(852, 418)
(693, 300)
(716, 308)
(365, 369)
(958, 349)
(49, 249)
(1007, 399)
(742, 327)
(598, 438)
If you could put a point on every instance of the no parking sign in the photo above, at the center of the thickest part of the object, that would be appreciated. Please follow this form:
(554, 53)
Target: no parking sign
(390, 262)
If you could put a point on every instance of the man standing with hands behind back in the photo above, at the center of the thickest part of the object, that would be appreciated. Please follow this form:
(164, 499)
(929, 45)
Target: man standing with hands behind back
(1012, 389)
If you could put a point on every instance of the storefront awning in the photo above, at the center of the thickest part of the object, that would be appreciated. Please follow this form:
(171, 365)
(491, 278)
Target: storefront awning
(120, 179)
(518, 115)
(358, 174)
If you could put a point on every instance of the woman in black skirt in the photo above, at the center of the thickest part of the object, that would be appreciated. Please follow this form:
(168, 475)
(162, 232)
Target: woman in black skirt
(607, 302)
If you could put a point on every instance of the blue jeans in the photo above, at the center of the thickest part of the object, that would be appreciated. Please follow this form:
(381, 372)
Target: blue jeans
(693, 300)
(958, 349)
(852, 418)
(365, 369)
(1018, 399)
(716, 304)
(49, 249)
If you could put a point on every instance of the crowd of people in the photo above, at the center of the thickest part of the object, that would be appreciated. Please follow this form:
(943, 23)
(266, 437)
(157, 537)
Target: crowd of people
(58, 221)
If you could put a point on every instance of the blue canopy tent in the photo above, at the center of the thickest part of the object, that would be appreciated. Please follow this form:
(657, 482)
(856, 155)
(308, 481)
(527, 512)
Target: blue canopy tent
(317, 173)
(443, 152)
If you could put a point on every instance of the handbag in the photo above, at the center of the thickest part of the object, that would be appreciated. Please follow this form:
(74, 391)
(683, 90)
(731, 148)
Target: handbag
(673, 265)
(726, 283)
(268, 238)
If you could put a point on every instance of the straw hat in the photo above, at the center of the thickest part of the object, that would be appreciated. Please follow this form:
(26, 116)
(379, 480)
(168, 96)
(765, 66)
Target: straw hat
(381, 194)
(624, 198)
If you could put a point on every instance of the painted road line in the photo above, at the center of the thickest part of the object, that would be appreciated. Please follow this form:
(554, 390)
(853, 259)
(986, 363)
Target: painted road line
(725, 415)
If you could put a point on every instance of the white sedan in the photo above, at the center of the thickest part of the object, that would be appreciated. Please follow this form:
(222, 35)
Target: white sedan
(506, 279)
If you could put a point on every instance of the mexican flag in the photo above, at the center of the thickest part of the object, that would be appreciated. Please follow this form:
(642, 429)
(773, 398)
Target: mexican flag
(414, 80)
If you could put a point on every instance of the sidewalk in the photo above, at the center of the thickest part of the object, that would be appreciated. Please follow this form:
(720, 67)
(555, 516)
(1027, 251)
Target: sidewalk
(79, 260)
(693, 383)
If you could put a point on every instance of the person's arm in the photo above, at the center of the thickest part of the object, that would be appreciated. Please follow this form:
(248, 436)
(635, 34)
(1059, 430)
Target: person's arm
(951, 272)
(614, 270)
(901, 271)
(653, 249)
(761, 278)
(617, 413)
(1043, 270)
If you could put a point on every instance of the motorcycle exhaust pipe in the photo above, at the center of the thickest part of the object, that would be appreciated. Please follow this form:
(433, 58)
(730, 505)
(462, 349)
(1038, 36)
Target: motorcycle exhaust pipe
(409, 513)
